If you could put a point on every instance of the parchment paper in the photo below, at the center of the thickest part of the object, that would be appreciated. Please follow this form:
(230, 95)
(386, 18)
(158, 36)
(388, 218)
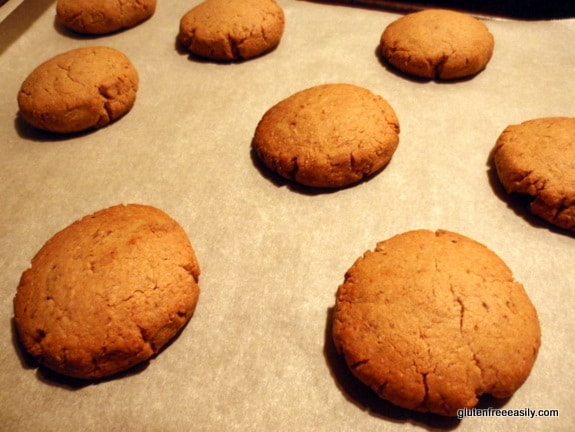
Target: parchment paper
(258, 355)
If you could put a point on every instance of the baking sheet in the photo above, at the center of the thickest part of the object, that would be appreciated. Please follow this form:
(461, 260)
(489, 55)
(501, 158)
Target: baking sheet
(257, 355)
(499, 9)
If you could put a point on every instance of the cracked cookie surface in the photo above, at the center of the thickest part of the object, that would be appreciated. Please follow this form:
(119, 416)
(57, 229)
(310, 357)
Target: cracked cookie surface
(537, 158)
(224, 30)
(107, 292)
(437, 43)
(103, 16)
(329, 136)
(81, 89)
(432, 320)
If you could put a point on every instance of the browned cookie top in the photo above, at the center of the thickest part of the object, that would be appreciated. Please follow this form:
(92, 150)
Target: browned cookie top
(80, 89)
(107, 292)
(437, 43)
(103, 16)
(330, 135)
(537, 158)
(232, 30)
(431, 320)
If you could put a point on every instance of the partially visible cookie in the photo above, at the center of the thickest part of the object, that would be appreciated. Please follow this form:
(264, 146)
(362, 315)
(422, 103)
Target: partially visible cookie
(104, 16)
(85, 88)
(537, 158)
(226, 30)
(328, 136)
(107, 292)
(437, 43)
(432, 320)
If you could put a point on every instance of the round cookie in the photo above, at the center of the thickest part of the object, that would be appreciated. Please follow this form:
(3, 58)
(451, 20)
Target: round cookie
(432, 320)
(437, 43)
(226, 30)
(328, 136)
(107, 292)
(537, 158)
(104, 16)
(85, 88)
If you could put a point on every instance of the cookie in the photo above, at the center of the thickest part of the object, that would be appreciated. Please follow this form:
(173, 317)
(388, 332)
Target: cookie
(107, 292)
(437, 43)
(432, 320)
(224, 30)
(328, 136)
(537, 158)
(81, 89)
(100, 17)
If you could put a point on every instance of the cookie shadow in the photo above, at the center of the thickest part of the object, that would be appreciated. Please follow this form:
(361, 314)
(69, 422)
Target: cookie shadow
(367, 400)
(49, 377)
(414, 79)
(52, 378)
(69, 33)
(394, 71)
(280, 181)
(293, 186)
(30, 133)
(183, 51)
(518, 203)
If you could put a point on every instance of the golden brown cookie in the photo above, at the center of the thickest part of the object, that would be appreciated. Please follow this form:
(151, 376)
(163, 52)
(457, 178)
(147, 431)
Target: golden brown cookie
(226, 30)
(432, 320)
(437, 43)
(328, 136)
(85, 88)
(537, 158)
(104, 16)
(107, 292)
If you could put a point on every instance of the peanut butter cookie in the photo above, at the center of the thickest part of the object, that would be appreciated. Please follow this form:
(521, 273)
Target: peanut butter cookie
(437, 43)
(432, 320)
(107, 292)
(224, 30)
(537, 158)
(104, 16)
(328, 136)
(81, 89)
